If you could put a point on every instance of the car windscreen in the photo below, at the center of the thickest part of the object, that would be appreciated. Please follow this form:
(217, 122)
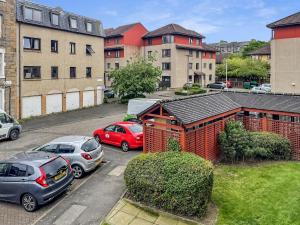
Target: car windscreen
(136, 128)
(90, 145)
(53, 167)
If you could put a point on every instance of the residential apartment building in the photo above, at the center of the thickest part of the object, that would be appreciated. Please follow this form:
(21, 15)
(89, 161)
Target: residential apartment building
(181, 54)
(60, 60)
(8, 66)
(122, 44)
(263, 53)
(285, 48)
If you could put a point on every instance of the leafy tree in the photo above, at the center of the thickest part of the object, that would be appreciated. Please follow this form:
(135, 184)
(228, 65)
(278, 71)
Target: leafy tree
(253, 45)
(135, 79)
(240, 67)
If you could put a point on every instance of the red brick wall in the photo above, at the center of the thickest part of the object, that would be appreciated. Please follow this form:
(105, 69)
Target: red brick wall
(113, 54)
(111, 41)
(207, 55)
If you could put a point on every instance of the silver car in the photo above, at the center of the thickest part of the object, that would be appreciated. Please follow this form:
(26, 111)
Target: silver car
(84, 153)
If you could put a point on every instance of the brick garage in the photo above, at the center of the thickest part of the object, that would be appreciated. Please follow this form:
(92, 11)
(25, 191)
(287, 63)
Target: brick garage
(197, 121)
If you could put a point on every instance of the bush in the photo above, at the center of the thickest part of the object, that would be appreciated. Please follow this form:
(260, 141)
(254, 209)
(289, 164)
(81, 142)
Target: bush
(179, 183)
(270, 146)
(174, 145)
(191, 91)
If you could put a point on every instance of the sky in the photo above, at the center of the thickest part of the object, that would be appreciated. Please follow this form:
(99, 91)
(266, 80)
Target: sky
(230, 20)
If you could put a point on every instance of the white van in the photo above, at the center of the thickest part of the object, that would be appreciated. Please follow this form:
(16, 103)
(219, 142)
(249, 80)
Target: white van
(9, 127)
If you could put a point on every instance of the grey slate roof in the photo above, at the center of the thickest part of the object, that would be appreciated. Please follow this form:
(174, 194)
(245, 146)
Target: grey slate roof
(64, 18)
(193, 109)
(173, 29)
(293, 19)
(266, 50)
(204, 47)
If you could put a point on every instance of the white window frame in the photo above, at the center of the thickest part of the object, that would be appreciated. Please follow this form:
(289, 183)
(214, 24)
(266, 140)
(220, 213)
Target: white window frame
(3, 98)
(75, 23)
(2, 64)
(89, 27)
(52, 19)
(33, 15)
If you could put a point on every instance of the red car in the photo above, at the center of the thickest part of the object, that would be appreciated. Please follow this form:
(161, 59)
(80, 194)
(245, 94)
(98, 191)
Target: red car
(127, 135)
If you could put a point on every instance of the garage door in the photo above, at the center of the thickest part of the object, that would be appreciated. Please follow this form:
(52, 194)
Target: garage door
(31, 106)
(100, 95)
(72, 101)
(88, 98)
(53, 103)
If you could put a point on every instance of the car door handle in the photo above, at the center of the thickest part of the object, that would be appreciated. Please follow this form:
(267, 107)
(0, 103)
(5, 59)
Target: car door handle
(24, 180)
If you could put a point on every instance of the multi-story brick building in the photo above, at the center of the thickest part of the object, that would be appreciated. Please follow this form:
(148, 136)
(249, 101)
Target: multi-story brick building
(181, 54)
(8, 66)
(122, 44)
(285, 48)
(60, 60)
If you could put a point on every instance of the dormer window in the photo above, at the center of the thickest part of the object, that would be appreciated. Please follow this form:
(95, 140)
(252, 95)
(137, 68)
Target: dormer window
(167, 39)
(55, 19)
(89, 27)
(73, 23)
(33, 14)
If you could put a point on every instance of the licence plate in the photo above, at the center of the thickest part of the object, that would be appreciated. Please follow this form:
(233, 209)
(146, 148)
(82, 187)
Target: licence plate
(60, 175)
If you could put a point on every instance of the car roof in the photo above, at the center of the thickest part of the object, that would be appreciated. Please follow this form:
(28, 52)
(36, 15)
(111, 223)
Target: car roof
(126, 124)
(31, 158)
(71, 139)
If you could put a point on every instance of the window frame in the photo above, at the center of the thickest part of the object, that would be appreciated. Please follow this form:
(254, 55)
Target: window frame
(167, 39)
(74, 70)
(166, 53)
(32, 67)
(73, 19)
(52, 20)
(32, 17)
(2, 63)
(88, 72)
(88, 23)
(54, 77)
(117, 54)
(89, 50)
(72, 48)
(190, 66)
(1, 25)
(164, 67)
(32, 42)
(55, 49)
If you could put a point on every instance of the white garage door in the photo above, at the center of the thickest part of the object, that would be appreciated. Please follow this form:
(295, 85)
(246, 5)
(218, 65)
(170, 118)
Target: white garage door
(53, 103)
(31, 106)
(72, 101)
(88, 98)
(100, 95)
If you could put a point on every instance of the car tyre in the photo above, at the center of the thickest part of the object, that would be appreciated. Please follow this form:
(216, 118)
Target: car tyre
(14, 134)
(97, 137)
(29, 202)
(125, 146)
(78, 171)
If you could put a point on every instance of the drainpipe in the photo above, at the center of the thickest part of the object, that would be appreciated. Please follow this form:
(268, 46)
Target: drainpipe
(20, 75)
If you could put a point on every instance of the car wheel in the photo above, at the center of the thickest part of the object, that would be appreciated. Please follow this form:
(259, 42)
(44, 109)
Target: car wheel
(29, 202)
(125, 146)
(78, 172)
(14, 134)
(97, 138)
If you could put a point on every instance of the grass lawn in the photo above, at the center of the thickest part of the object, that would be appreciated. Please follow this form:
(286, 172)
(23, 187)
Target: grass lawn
(262, 194)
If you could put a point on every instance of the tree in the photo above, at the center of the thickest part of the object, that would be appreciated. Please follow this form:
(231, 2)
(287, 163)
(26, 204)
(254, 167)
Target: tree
(253, 45)
(240, 67)
(135, 79)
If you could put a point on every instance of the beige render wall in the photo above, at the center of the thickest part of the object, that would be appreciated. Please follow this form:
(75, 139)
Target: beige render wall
(285, 66)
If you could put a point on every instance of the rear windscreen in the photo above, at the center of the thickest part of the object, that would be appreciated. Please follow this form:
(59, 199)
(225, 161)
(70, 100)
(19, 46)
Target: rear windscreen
(90, 145)
(136, 128)
(53, 167)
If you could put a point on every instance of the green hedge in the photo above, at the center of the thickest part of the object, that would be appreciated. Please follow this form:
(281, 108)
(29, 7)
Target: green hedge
(191, 91)
(180, 183)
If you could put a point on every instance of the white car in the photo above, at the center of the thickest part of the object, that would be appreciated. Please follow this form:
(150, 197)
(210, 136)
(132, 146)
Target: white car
(259, 90)
(266, 87)
(9, 127)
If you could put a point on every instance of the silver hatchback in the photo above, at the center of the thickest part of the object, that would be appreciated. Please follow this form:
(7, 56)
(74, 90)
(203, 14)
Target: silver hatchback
(83, 153)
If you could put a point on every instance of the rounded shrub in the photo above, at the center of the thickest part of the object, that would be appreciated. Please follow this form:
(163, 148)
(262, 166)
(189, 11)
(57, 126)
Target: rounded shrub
(176, 182)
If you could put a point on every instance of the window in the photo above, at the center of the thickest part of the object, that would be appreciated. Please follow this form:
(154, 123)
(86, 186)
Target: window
(108, 66)
(190, 52)
(120, 130)
(117, 65)
(32, 43)
(166, 53)
(54, 72)
(89, 27)
(72, 72)
(117, 54)
(198, 42)
(88, 72)
(210, 66)
(54, 46)
(73, 23)
(149, 53)
(190, 78)
(190, 66)
(210, 77)
(110, 128)
(149, 41)
(55, 19)
(2, 63)
(204, 53)
(32, 72)
(166, 66)
(197, 66)
(3, 169)
(136, 128)
(167, 39)
(117, 41)
(32, 14)
(17, 170)
(66, 149)
(1, 23)
(89, 50)
(197, 54)
(204, 65)
(72, 48)
(5, 118)
(49, 148)
(190, 41)
(108, 53)
(90, 145)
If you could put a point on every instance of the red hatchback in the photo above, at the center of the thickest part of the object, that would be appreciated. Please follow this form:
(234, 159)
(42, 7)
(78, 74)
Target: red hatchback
(127, 135)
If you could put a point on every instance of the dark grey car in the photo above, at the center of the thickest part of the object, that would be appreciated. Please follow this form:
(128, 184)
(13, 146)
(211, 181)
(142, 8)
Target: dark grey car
(34, 178)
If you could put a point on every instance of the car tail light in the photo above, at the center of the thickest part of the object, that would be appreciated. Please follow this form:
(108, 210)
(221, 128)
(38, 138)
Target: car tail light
(42, 179)
(138, 138)
(86, 156)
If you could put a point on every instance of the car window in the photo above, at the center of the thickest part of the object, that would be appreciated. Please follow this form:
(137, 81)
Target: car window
(30, 171)
(3, 169)
(17, 170)
(66, 149)
(53, 167)
(90, 145)
(110, 128)
(3, 118)
(49, 148)
(136, 128)
(120, 129)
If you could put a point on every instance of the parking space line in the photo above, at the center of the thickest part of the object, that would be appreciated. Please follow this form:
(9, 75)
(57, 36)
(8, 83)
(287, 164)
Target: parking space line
(69, 216)
(117, 171)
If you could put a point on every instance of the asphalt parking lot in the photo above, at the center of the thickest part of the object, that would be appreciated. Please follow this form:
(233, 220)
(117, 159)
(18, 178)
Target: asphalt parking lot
(91, 197)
